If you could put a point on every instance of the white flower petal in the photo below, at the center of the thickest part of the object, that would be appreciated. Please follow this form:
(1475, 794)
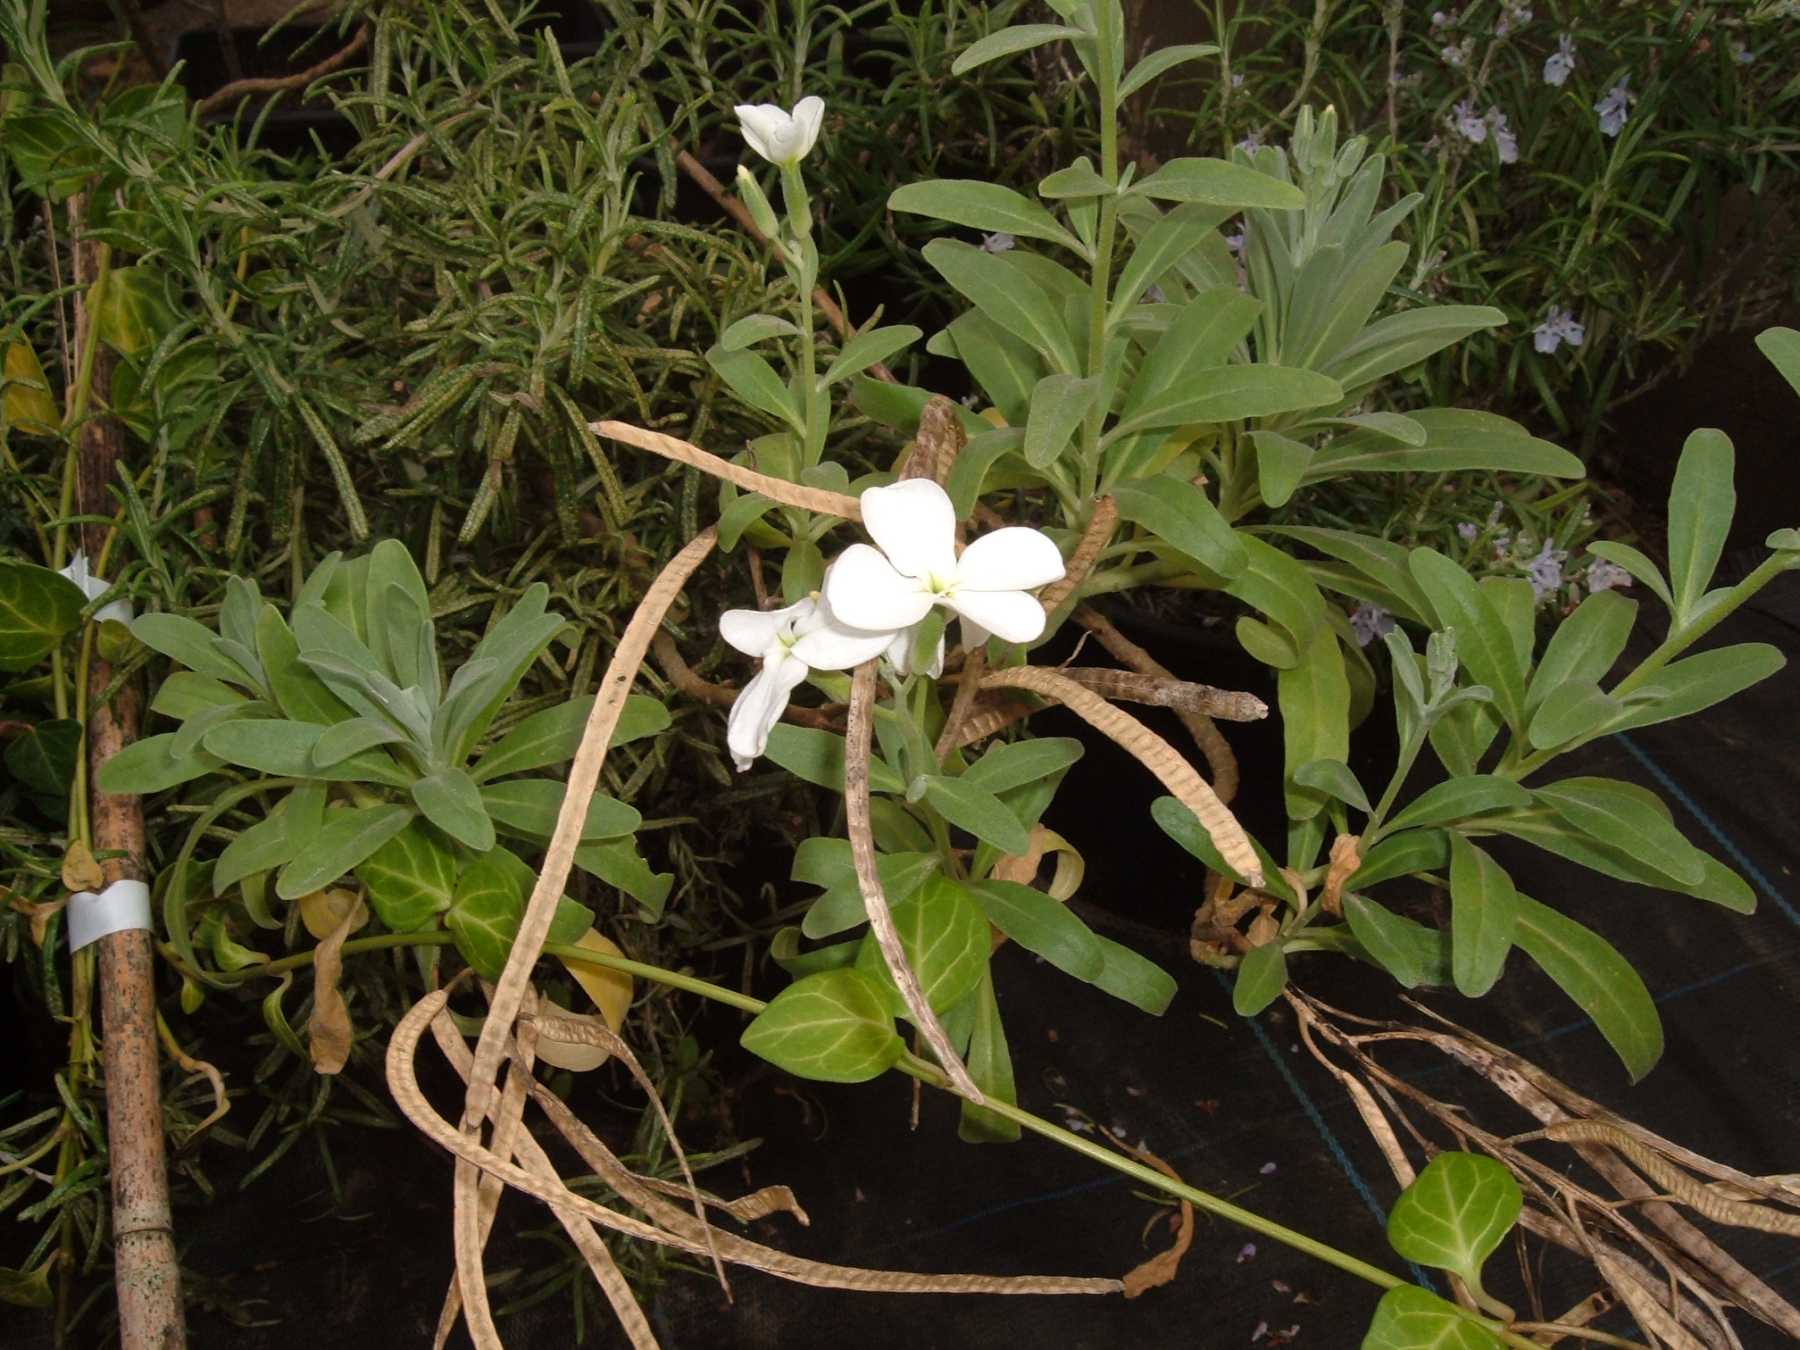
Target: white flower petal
(915, 525)
(809, 116)
(753, 631)
(1012, 616)
(764, 126)
(899, 654)
(759, 707)
(837, 647)
(1009, 559)
(864, 591)
(973, 634)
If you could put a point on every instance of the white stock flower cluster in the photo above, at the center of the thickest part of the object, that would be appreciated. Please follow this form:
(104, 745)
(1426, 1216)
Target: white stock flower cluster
(873, 598)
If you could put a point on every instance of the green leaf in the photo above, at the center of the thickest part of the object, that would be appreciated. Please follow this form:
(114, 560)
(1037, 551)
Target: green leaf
(1043, 926)
(1539, 825)
(1411, 1318)
(552, 735)
(1058, 405)
(1390, 345)
(1401, 855)
(1184, 827)
(1453, 1216)
(25, 401)
(818, 758)
(945, 937)
(192, 644)
(1457, 799)
(1314, 696)
(1574, 709)
(1483, 914)
(1078, 180)
(1229, 394)
(1204, 335)
(348, 837)
(1183, 517)
(338, 743)
(1628, 817)
(131, 313)
(833, 1027)
(1007, 370)
(450, 800)
(1220, 183)
(989, 1063)
(185, 694)
(1603, 984)
(1019, 37)
(489, 905)
(978, 811)
(150, 765)
(1011, 765)
(982, 206)
(755, 328)
(1007, 294)
(530, 807)
(1334, 777)
(869, 347)
(1701, 502)
(1135, 979)
(299, 693)
(1281, 463)
(754, 381)
(285, 749)
(1161, 61)
(1261, 976)
(1482, 639)
(1697, 682)
(1584, 647)
(1411, 952)
(264, 846)
(1782, 347)
(42, 758)
(1456, 440)
(619, 864)
(37, 606)
(827, 863)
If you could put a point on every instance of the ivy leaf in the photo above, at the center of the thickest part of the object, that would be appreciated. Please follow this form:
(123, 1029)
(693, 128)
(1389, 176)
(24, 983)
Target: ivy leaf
(411, 878)
(37, 606)
(42, 758)
(1453, 1216)
(945, 937)
(834, 1027)
(489, 906)
(1411, 1318)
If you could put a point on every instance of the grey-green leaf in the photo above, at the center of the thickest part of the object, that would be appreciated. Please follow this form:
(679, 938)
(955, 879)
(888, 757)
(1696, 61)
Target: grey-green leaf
(348, 837)
(982, 206)
(1042, 926)
(1009, 41)
(1183, 517)
(1628, 816)
(978, 811)
(1458, 799)
(1058, 405)
(1261, 976)
(450, 800)
(1220, 183)
(1701, 502)
(530, 807)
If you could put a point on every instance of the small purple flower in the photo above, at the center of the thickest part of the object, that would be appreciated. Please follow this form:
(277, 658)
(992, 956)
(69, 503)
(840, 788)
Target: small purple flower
(1471, 124)
(1441, 19)
(1368, 622)
(1504, 140)
(1545, 571)
(1467, 531)
(1237, 79)
(1153, 295)
(1560, 62)
(1559, 327)
(997, 242)
(1741, 53)
(1235, 241)
(1247, 1252)
(1615, 108)
(1457, 56)
(1250, 144)
(1511, 17)
(1606, 576)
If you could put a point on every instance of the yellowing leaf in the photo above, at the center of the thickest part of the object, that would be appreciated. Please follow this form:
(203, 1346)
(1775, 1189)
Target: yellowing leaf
(609, 989)
(323, 911)
(575, 1053)
(79, 870)
(26, 405)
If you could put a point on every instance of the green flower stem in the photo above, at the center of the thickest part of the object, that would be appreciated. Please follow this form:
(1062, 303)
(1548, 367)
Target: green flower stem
(799, 209)
(1408, 753)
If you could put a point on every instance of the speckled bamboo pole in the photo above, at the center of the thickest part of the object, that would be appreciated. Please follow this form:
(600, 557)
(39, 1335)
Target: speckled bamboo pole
(146, 1274)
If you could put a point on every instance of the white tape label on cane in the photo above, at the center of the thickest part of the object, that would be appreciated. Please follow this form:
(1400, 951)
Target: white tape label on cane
(122, 905)
(93, 587)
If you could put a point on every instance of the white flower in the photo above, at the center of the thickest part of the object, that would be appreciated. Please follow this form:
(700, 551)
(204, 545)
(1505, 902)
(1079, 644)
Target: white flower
(1559, 327)
(914, 567)
(1615, 107)
(93, 588)
(1606, 576)
(1368, 622)
(1439, 19)
(1237, 79)
(1511, 17)
(779, 136)
(1504, 140)
(1560, 62)
(792, 643)
(1470, 123)
(1456, 57)
(997, 242)
(1545, 570)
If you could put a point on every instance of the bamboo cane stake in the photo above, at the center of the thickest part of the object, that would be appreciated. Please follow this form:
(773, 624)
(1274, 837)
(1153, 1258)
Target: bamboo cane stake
(146, 1274)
